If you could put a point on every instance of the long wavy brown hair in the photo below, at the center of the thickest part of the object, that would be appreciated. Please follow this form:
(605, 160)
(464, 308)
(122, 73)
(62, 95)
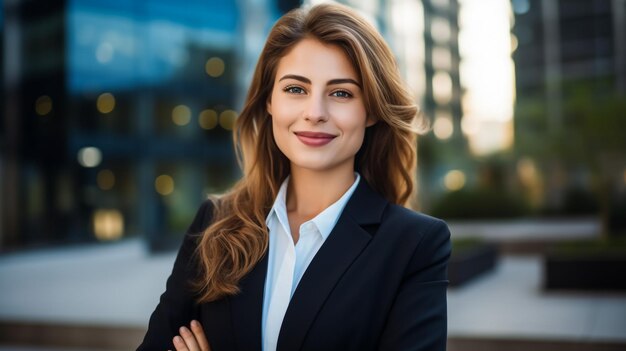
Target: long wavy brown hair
(238, 236)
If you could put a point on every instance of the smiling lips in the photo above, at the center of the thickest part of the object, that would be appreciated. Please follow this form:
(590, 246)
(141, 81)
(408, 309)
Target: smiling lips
(315, 138)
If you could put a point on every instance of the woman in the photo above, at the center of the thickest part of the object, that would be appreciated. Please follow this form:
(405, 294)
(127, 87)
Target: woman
(313, 248)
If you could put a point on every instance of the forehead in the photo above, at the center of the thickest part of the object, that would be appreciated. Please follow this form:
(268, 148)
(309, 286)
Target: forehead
(317, 61)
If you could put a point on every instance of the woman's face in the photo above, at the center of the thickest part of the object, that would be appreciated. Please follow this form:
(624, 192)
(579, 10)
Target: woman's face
(317, 108)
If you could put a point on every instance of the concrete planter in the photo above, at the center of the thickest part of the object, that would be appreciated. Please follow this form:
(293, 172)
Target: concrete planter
(470, 262)
(590, 272)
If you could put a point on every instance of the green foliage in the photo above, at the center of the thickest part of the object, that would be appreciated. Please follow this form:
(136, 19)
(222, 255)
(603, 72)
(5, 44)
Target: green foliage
(462, 244)
(579, 201)
(594, 122)
(591, 126)
(480, 203)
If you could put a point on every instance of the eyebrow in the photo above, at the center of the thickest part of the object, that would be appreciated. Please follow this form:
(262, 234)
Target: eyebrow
(330, 82)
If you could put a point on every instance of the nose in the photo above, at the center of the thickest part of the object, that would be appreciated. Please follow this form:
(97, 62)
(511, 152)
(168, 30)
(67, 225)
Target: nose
(316, 110)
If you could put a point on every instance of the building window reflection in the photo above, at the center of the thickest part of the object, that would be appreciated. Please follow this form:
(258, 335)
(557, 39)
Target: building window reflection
(164, 184)
(181, 115)
(126, 114)
(442, 87)
(207, 119)
(440, 30)
(108, 224)
(106, 179)
(43, 105)
(214, 67)
(105, 103)
(443, 126)
(442, 58)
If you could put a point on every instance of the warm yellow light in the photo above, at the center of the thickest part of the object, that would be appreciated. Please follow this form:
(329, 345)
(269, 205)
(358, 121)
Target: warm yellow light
(108, 224)
(454, 180)
(181, 115)
(89, 157)
(227, 119)
(442, 87)
(526, 171)
(214, 67)
(164, 184)
(440, 30)
(514, 42)
(105, 179)
(490, 136)
(487, 74)
(442, 58)
(43, 105)
(470, 125)
(443, 127)
(208, 119)
(530, 178)
(105, 103)
(410, 40)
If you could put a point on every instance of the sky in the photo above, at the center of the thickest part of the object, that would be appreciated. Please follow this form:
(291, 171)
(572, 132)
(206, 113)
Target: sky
(487, 74)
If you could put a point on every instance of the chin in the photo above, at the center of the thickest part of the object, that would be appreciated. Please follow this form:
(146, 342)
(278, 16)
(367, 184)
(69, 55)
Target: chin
(319, 165)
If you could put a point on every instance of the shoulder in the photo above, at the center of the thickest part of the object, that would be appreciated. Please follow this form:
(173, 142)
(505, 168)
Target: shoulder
(422, 239)
(411, 222)
(411, 231)
(203, 217)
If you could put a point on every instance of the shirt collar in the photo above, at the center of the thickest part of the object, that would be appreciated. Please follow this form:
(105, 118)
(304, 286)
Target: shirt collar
(325, 221)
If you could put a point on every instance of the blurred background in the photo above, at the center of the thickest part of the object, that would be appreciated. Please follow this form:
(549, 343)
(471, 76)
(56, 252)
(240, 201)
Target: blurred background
(117, 119)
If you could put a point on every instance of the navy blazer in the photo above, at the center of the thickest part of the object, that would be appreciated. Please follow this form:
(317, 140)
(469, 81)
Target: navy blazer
(377, 283)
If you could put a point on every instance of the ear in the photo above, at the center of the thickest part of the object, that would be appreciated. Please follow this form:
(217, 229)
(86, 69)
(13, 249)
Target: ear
(268, 105)
(370, 121)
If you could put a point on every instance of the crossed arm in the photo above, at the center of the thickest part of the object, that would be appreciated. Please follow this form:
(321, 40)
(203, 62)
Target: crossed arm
(191, 339)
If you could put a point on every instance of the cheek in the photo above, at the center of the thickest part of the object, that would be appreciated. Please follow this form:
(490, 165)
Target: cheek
(279, 131)
(354, 137)
(358, 127)
(352, 120)
(279, 111)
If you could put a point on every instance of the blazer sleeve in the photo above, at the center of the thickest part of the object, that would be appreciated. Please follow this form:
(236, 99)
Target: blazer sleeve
(177, 306)
(418, 317)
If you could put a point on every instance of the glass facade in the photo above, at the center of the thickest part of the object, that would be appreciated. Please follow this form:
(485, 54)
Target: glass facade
(120, 117)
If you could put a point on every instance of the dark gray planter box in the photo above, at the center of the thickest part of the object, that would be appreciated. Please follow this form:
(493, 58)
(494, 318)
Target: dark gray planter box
(585, 272)
(469, 263)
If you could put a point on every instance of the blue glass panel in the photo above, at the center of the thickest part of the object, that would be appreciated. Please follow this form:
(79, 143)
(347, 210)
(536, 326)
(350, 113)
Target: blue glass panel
(120, 45)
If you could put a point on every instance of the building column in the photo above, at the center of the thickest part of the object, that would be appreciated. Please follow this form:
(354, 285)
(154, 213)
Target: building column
(9, 170)
(554, 105)
(619, 40)
(552, 58)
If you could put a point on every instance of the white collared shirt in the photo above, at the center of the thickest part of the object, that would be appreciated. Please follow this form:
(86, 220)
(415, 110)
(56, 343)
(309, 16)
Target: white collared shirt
(288, 262)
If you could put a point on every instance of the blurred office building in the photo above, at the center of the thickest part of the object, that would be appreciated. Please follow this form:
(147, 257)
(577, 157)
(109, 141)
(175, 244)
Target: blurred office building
(444, 148)
(424, 36)
(570, 62)
(117, 115)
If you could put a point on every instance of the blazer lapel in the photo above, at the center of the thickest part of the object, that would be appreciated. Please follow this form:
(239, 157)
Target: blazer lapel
(247, 308)
(344, 244)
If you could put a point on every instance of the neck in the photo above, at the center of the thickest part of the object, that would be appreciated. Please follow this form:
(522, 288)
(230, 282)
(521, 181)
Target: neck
(310, 192)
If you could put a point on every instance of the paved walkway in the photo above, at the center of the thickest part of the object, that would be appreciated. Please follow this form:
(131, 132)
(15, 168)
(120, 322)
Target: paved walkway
(528, 229)
(119, 284)
(510, 303)
(107, 284)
